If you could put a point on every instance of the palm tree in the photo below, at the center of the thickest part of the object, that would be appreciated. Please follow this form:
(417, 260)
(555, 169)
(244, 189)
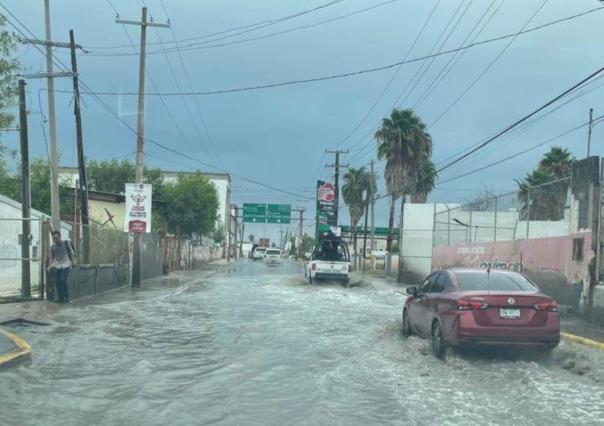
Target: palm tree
(547, 201)
(426, 179)
(356, 181)
(404, 143)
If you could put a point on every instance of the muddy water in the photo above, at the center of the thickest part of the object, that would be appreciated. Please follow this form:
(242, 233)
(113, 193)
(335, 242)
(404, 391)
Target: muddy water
(255, 345)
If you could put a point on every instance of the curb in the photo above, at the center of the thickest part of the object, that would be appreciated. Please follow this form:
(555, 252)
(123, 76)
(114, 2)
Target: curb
(582, 341)
(20, 353)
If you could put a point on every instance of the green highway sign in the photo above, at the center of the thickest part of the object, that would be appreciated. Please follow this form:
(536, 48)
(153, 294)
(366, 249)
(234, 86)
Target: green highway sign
(279, 213)
(378, 230)
(254, 213)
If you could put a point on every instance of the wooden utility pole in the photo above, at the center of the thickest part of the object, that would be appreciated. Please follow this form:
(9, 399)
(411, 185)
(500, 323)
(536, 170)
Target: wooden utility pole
(81, 159)
(337, 166)
(301, 233)
(140, 130)
(25, 196)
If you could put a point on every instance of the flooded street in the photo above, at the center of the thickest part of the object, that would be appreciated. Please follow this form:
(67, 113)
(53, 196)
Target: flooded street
(256, 345)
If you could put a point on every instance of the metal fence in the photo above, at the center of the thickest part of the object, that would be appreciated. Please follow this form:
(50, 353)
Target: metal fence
(539, 211)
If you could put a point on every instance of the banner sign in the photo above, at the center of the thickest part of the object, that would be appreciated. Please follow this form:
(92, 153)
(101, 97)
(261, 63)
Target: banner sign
(138, 207)
(326, 206)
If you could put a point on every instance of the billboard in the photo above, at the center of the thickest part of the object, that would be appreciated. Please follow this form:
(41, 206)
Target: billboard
(138, 207)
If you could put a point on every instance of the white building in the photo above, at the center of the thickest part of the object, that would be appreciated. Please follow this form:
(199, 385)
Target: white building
(221, 181)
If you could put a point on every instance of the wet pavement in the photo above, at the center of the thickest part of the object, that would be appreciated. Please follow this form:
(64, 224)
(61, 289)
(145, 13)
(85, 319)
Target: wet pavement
(256, 345)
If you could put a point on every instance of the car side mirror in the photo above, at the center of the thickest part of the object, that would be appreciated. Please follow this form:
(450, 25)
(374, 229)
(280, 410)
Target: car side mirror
(413, 291)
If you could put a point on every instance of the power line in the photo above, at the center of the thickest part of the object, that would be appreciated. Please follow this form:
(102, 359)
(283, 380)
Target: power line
(518, 154)
(487, 69)
(352, 73)
(109, 110)
(437, 80)
(394, 75)
(188, 78)
(255, 26)
(522, 120)
(206, 45)
(421, 71)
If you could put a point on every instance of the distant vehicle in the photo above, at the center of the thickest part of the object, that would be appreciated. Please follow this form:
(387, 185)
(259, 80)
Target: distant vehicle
(272, 257)
(477, 307)
(330, 260)
(379, 254)
(259, 253)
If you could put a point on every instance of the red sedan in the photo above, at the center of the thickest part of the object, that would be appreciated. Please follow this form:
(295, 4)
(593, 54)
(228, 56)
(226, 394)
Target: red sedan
(480, 307)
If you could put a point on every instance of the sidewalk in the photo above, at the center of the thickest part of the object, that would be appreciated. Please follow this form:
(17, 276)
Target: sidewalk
(43, 310)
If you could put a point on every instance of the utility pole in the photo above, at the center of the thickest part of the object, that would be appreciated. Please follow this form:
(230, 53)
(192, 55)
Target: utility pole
(337, 166)
(591, 124)
(365, 233)
(50, 75)
(81, 159)
(55, 203)
(140, 130)
(372, 209)
(300, 234)
(25, 196)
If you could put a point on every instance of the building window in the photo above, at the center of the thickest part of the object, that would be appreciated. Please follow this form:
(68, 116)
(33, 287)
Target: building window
(578, 248)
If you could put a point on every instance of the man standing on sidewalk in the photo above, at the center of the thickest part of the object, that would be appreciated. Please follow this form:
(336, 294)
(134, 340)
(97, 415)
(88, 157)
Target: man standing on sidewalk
(61, 261)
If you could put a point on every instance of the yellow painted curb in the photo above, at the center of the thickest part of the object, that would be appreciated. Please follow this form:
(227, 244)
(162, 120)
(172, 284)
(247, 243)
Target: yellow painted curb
(583, 341)
(22, 351)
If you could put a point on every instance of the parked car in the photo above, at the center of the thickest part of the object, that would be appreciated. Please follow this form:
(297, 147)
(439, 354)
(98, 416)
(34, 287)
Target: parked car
(481, 307)
(330, 261)
(272, 257)
(259, 253)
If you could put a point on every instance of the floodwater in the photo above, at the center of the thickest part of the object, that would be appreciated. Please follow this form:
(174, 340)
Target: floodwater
(256, 345)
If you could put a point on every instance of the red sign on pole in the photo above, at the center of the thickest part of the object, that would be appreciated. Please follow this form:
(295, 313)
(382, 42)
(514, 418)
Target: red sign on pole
(137, 226)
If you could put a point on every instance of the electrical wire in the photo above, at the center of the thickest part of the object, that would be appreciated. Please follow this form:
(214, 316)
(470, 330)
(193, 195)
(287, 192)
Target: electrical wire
(488, 68)
(204, 45)
(61, 66)
(351, 73)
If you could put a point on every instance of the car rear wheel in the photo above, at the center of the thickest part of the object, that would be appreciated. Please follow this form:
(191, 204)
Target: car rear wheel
(439, 348)
(406, 330)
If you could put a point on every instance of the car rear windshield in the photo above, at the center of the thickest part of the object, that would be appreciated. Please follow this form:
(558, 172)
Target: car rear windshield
(273, 252)
(494, 281)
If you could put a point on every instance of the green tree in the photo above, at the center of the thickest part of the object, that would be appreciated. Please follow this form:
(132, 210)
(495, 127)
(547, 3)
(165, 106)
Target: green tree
(547, 199)
(426, 180)
(9, 185)
(219, 233)
(252, 238)
(8, 68)
(111, 176)
(356, 183)
(308, 243)
(190, 204)
(404, 143)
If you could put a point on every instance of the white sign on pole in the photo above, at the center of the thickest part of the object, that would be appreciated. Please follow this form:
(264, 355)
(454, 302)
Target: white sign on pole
(138, 207)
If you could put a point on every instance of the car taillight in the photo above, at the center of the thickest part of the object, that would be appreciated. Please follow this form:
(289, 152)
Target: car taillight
(314, 266)
(349, 268)
(547, 307)
(470, 305)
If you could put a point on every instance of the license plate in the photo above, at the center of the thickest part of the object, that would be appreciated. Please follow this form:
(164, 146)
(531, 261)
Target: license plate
(509, 313)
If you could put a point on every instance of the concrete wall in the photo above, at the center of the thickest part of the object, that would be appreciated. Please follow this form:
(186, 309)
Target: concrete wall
(548, 261)
(89, 280)
(10, 229)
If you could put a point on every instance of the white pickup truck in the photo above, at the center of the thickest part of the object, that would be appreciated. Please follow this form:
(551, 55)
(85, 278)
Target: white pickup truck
(330, 261)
